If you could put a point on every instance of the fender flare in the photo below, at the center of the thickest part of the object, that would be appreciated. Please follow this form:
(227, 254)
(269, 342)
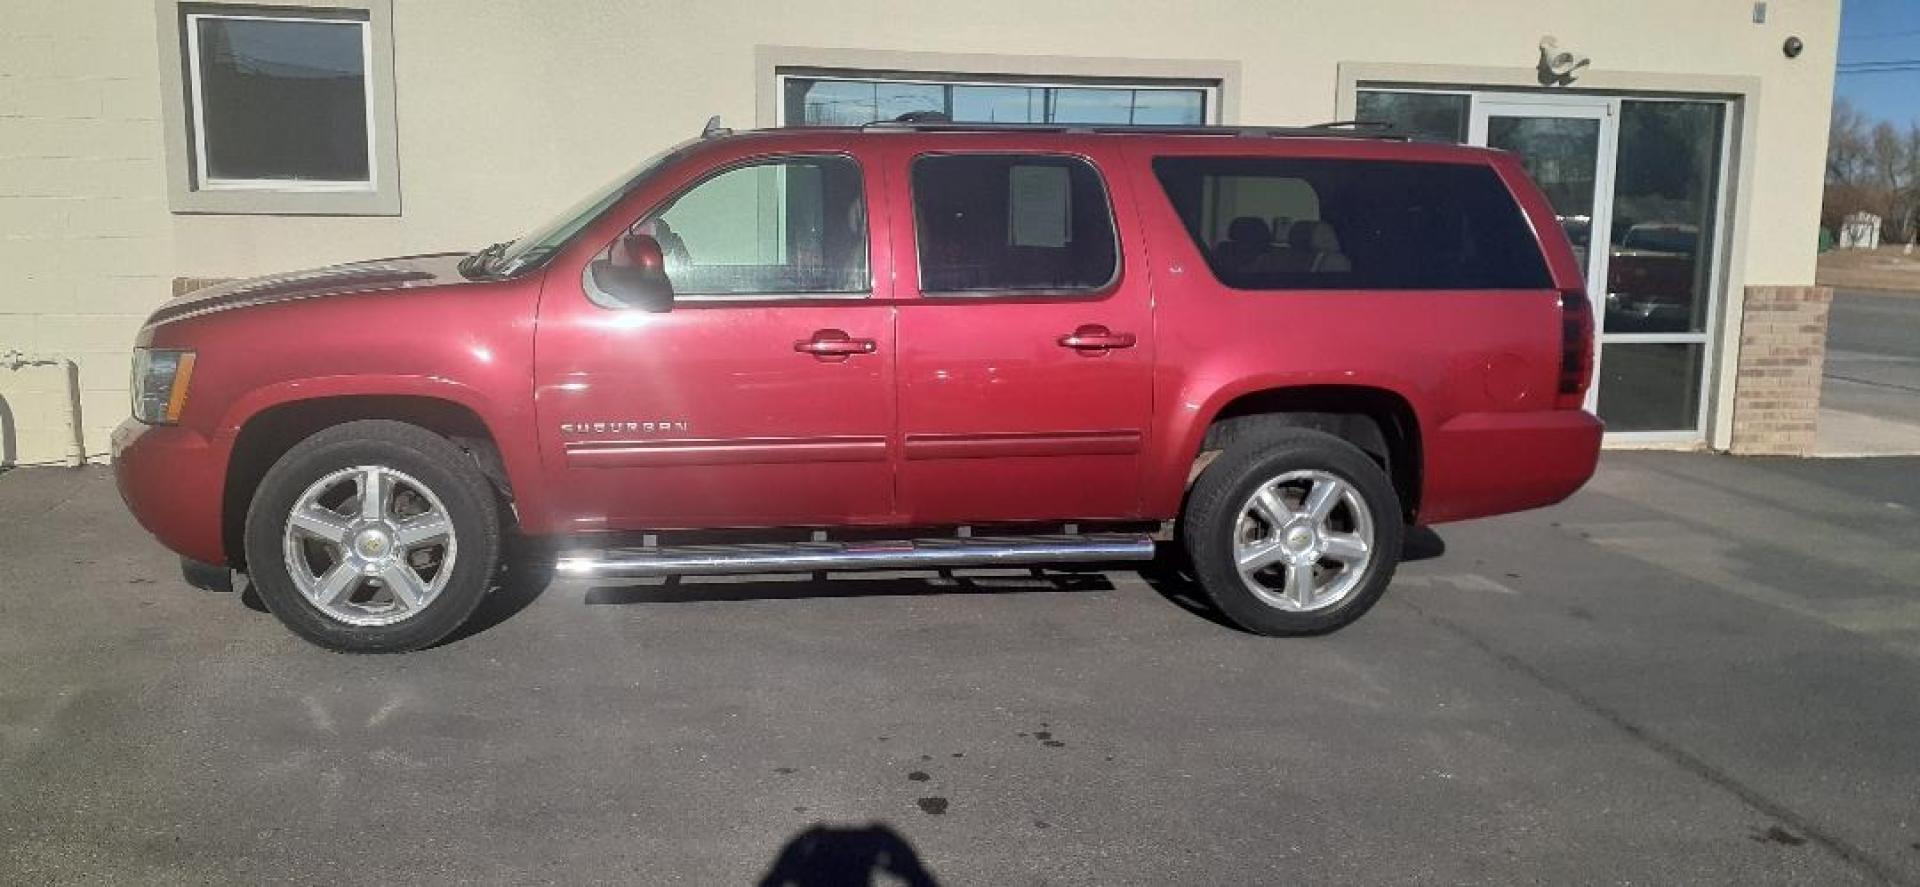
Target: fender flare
(1202, 412)
(519, 454)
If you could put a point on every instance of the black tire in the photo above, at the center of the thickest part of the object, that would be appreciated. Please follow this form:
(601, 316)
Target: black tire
(421, 454)
(1212, 520)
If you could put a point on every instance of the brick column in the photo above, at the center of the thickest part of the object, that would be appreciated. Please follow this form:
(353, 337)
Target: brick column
(1783, 346)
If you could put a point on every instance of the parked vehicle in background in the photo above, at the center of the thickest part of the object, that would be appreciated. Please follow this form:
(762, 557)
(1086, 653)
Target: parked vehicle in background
(1650, 278)
(904, 345)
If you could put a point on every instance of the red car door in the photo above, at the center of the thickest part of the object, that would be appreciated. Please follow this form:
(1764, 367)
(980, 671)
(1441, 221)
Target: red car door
(1025, 331)
(764, 396)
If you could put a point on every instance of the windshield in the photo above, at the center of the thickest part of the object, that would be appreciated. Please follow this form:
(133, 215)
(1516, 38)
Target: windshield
(541, 242)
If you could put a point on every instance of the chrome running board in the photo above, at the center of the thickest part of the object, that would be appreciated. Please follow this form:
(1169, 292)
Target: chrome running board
(812, 557)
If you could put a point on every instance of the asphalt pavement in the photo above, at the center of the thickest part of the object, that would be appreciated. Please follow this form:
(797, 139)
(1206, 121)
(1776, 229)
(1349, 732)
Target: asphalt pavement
(1700, 669)
(1870, 396)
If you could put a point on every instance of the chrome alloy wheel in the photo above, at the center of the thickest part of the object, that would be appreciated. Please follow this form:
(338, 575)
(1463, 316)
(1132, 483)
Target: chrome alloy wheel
(369, 545)
(1303, 541)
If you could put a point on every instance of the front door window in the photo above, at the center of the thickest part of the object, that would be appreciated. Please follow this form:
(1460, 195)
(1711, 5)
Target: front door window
(788, 227)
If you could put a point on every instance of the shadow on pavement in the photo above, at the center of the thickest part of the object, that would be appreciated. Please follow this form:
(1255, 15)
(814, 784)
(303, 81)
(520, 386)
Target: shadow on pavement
(529, 572)
(526, 575)
(826, 856)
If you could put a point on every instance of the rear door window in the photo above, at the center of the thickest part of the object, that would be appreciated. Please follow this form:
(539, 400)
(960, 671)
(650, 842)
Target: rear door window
(1316, 223)
(1012, 223)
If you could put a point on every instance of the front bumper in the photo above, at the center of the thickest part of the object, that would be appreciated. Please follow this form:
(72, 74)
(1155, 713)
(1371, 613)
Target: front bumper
(171, 479)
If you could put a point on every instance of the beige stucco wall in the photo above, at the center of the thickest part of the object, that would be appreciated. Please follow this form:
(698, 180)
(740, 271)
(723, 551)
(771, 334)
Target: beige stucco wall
(510, 110)
(86, 241)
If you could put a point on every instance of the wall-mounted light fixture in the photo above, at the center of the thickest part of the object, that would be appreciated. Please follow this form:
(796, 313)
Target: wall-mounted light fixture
(1558, 67)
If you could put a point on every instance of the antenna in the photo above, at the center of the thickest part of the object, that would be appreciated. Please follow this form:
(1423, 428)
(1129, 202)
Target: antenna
(713, 129)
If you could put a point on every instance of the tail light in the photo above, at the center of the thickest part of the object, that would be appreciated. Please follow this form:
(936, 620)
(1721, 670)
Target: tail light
(1576, 350)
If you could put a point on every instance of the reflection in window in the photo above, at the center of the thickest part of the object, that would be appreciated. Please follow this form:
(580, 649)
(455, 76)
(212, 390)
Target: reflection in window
(812, 101)
(1650, 386)
(279, 99)
(1665, 188)
(1560, 154)
(792, 226)
(1436, 116)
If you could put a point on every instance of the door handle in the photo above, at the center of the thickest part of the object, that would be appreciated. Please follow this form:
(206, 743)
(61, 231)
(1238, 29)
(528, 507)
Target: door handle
(1094, 337)
(833, 345)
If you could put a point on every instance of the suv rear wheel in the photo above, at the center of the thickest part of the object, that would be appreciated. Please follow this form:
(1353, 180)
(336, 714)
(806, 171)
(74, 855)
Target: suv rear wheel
(1292, 531)
(373, 536)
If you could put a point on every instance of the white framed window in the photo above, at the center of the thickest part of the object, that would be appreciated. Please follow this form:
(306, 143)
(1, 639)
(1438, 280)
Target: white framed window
(281, 108)
(280, 102)
(854, 98)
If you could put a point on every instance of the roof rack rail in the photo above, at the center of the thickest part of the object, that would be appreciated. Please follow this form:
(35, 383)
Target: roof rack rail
(1342, 129)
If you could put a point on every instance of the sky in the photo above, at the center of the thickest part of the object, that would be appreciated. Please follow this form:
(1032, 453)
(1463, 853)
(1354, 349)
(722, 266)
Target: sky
(1881, 31)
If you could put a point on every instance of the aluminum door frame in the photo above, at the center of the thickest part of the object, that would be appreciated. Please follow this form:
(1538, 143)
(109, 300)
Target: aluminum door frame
(1600, 223)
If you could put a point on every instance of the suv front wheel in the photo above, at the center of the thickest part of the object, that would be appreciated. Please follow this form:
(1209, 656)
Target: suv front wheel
(1292, 531)
(373, 537)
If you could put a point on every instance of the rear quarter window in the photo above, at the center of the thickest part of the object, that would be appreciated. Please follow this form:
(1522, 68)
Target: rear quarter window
(1321, 223)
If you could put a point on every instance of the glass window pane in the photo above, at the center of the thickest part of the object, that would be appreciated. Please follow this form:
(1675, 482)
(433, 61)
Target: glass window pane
(858, 102)
(1441, 117)
(1650, 387)
(815, 102)
(892, 99)
(1170, 107)
(796, 226)
(1665, 201)
(1562, 156)
(1277, 223)
(1011, 222)
(1090, 105)
(828, 102)
(999, 104)
(283, 99)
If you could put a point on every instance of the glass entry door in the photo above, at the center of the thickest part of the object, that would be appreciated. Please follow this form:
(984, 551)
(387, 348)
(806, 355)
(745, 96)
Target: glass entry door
(1567, 147)
(1637, 186)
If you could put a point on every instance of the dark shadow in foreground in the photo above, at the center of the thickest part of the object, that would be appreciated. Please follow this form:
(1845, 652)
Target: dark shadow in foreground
(801, 586)
(826, 856)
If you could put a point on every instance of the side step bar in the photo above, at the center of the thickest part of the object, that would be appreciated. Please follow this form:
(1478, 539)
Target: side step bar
(811, 557)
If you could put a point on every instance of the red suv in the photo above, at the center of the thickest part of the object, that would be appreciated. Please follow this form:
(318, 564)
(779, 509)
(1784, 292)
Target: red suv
(903, 345)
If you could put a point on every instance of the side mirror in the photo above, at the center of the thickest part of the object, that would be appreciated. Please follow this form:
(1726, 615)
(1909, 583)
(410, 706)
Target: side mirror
(635, 275)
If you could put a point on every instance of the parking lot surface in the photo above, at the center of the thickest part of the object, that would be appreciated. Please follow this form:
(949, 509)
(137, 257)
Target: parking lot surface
(1699, 669)
(1870, 392)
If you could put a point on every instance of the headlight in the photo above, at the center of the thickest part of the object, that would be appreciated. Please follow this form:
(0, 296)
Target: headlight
(160, 381)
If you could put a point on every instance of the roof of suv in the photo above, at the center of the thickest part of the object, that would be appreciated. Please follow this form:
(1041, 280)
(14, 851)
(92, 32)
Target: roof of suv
(1340, 138)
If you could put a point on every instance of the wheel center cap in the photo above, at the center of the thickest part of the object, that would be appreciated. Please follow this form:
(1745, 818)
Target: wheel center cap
(373, 543)
(1299, 539)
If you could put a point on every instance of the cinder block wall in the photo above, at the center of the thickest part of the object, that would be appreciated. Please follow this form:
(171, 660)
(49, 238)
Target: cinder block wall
(1783, 344)
(86, 247)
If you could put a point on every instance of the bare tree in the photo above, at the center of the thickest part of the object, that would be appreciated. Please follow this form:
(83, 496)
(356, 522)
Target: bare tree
(1872, 167)
(1846, 144)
